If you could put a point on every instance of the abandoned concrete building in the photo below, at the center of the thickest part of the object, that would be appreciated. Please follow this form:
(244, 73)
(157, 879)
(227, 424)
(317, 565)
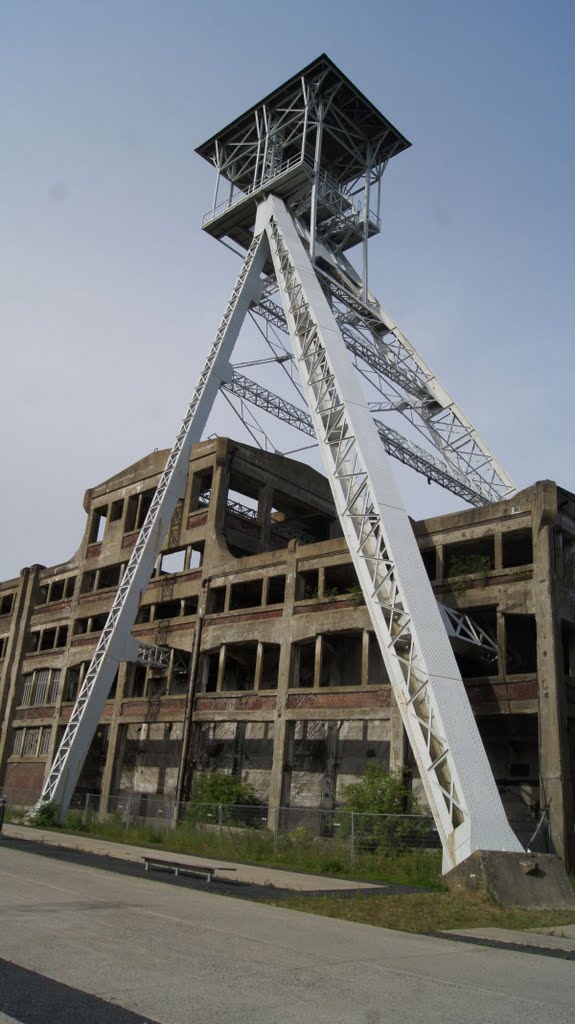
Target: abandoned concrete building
(274, 672)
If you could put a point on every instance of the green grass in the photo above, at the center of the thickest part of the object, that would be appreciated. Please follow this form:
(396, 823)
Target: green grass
(298, 850)
(426, 912)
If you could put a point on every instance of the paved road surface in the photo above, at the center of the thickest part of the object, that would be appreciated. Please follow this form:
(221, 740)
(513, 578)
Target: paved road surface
(179, 956)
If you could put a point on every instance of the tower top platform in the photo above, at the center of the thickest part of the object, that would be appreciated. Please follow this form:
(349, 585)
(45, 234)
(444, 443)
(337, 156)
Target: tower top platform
(273, 146)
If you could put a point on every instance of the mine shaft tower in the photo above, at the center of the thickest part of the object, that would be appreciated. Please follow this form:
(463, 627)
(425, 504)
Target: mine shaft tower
(298, 184)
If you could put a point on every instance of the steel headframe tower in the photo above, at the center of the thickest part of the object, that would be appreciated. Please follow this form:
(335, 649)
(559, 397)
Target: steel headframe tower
(298, 184)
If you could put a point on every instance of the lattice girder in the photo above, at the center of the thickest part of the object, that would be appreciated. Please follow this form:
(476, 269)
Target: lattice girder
(424, 675)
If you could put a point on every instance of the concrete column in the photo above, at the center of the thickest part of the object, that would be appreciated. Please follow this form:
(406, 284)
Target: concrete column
(397, 746)
(317, 660)
(265, 505)
(221, 667)
(259, 661)
(498, 551)
(22, 609)
(279, 778)
(364, 657)
(554, 770)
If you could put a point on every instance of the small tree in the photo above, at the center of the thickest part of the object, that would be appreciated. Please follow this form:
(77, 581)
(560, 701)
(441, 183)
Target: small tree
(380, 792)
(221, 788)
(380, 803)
(211, 789)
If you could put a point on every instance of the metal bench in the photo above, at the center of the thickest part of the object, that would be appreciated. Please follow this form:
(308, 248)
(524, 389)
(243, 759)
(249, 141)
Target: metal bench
(180, 867)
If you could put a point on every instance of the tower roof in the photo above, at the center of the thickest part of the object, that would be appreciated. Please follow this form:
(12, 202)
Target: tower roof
(354, 120)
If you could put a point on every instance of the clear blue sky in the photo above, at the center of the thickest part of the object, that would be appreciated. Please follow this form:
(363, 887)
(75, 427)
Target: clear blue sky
(110, 293)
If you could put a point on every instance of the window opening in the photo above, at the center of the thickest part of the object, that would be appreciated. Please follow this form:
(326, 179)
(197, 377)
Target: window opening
(173, 561)
(6, 604)
(167, 610)
(98, 524)
(240, 666)
(303, 664)
(340, 579)
(110, 576)
(201, 492)
(196, 556)
(190, 605)
(216, 599)
(276, 589)
(246, 595)
(116, 510)
(517, 548)
(56, 591)
(341, 659)
(470, 557)
(520, 644)
(270, 667)
(308, 585)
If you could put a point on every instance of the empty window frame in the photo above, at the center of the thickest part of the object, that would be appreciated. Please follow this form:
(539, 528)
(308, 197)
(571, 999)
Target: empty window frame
(201, 491)
(49, 639)
(303, 663)
(6, 604)
(341, 659)
(116, 510)
(246, 595)
(75, 676)
(190, 606)
(167, 609)
(3, 645)
(88, 581)
(109, 576)
(516, 548)
(209, 671)
(473, 661)
(270, 666)
(138, 506)
(240, 666)
(98, 524)
(180, 672)
(173, 562)
(469, 557)
(144, 613)
(377, 674)
(520, 644)
(340, 579)
(308, 585)
(216, 599)
(276, 590)
(136, 681)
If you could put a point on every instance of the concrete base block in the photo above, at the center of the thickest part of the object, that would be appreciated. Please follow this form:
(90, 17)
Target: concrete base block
(515, 879)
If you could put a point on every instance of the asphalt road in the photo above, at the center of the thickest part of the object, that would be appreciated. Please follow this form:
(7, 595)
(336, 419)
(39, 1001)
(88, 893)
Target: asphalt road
(123, 950)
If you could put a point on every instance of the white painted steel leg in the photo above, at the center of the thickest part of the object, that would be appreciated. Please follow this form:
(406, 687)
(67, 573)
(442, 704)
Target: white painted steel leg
(116, 643)
(426, 682)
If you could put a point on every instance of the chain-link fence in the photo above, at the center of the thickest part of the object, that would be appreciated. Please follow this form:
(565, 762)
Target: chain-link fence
(338, 836)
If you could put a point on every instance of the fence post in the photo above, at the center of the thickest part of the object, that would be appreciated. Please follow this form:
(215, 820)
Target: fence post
(220, 823)
(86, 805)
(352, 840)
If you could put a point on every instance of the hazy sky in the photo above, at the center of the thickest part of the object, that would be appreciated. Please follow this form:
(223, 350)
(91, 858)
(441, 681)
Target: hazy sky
(110, 293)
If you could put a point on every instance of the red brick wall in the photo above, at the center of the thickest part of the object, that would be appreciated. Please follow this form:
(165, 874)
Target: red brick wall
(26, 777)
(363, 699)
(253, 702)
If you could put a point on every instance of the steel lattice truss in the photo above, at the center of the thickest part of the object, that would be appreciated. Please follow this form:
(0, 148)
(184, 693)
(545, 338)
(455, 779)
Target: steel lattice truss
(320, 144)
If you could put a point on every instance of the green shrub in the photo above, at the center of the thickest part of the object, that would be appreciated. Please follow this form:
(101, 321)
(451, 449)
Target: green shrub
(45, 816)
(220, 788)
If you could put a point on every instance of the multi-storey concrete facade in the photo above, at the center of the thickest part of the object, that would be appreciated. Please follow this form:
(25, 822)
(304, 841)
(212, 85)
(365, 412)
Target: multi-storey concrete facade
(274, 672)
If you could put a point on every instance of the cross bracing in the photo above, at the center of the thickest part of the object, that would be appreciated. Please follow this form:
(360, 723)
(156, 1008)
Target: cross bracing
(340, 336)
